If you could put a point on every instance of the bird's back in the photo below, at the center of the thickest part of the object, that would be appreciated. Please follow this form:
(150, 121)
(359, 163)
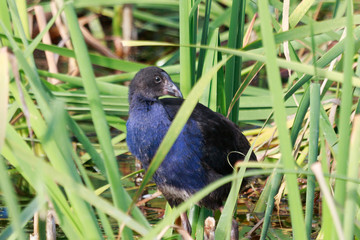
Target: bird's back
(221, 136)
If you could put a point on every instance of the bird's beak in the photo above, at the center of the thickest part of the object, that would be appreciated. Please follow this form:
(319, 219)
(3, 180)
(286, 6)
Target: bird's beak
(171, 89)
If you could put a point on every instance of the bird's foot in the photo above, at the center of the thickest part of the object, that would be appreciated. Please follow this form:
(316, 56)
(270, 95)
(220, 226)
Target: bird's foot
(209, 228)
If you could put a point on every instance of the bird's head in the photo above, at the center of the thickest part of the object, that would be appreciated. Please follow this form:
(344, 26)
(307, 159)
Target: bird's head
(152, 83)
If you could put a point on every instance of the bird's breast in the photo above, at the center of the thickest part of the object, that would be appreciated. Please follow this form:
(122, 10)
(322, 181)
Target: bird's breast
(182, 168)
(145, 130)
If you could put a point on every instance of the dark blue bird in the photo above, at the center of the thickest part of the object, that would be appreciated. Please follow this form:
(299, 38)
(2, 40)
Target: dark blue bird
(198, 156)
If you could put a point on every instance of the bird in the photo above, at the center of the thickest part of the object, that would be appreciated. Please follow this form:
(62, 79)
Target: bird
(201, 154)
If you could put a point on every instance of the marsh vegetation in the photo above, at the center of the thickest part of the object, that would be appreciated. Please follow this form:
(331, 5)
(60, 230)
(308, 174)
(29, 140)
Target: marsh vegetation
(287, 73)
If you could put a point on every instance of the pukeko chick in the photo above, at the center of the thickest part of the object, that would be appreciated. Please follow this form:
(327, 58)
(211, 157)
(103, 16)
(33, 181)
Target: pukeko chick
(198, 156)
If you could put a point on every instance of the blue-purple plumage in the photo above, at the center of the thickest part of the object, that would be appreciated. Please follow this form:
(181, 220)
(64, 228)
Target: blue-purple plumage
(198, 156)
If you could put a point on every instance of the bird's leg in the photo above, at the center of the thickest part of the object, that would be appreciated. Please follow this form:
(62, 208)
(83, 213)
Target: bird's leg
(234, 234)
(185, 222)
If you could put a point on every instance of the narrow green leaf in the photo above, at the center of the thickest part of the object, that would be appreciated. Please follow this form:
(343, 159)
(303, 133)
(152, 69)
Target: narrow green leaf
(233, 66)
(280, 118)
(299, 12)
(8, 193)
(345, 110)
(4, 92)
(26, 214)
(313, 153)
(186, 74)
(351, 201)
(98, 116)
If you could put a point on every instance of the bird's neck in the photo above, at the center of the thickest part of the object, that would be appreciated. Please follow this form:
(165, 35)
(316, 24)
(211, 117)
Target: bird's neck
(138, 101)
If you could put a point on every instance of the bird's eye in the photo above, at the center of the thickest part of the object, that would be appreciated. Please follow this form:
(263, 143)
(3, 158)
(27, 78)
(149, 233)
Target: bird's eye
(157, 79)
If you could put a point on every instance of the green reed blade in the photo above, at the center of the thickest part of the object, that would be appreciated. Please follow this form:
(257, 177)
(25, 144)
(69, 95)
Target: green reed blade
(280, 117)
(313, 153)
(186, 70)
(233, 66)
(345, 110)
(351, 201)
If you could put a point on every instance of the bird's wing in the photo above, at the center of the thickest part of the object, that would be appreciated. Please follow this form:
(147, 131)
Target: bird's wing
(220, 136)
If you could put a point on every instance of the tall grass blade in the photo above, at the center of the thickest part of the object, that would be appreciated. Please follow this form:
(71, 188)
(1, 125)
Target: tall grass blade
(275, 183)
(98, 115)
(18, 153)
(233, 66)
(313, 153)
(26, 214)
(5, 18)
(186, 71)
(204, 39)
(11, 201)
(328, 131)
(204, 213)
(224, 225)
(34, 43)
(299, 12)
(351, 201)
(345, 110)
(316, 168)
(55, 131)
(336, 7)
(49, 175)
(221, 98)
(22, 11)
(315, 99)
(262, 202)
(252, 74)
(39, 126)
(78, 132)
(300, 115)
(209, 96)
(322, 62)
(193, 17)
(326, 220)
(4, 92)
(20, 24)
(280, 117)
(59, 161)
(5, 181)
